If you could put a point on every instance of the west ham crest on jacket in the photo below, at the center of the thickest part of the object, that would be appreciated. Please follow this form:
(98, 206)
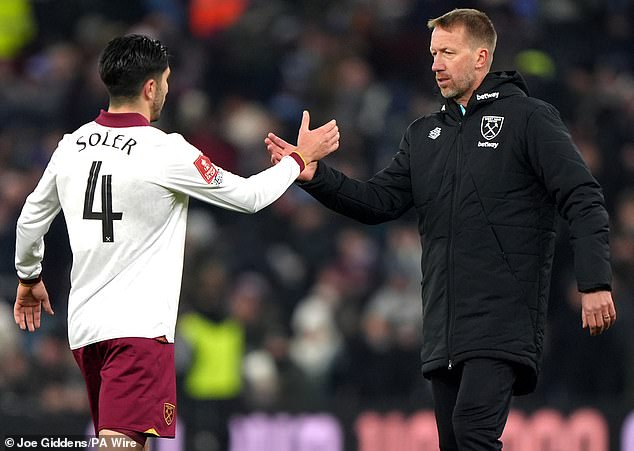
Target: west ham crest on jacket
(490, 126)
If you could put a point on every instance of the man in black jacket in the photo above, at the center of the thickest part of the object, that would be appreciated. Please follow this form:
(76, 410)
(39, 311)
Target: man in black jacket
(486, 175)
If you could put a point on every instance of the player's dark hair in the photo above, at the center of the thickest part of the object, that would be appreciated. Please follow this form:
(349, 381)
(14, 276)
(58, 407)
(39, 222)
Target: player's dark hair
(477, 24)
(128, 62)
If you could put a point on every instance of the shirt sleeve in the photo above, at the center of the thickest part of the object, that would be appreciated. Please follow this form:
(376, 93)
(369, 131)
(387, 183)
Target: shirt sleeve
(38, 212)
(192, 173)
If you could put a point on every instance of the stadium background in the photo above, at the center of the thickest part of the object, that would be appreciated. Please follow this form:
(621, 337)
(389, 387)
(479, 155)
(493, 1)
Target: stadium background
(300, 325)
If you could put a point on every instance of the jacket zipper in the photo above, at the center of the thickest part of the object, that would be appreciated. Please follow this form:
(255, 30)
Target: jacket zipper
(450, 272)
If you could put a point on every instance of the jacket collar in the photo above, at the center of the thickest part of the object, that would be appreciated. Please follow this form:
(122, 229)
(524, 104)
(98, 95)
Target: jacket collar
(496, 85)
(118, 120)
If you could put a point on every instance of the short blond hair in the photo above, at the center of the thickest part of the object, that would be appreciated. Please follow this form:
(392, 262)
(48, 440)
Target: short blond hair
(477, 24)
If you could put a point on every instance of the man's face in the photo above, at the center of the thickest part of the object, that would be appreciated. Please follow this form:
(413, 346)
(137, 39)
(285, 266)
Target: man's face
(454, 63)
(159, 98)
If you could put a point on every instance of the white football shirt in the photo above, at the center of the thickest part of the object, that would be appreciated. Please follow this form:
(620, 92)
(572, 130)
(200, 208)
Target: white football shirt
(123, 187)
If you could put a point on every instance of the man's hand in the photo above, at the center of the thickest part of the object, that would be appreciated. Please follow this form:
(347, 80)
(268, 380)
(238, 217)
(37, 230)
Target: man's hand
(312, 145)
(279, 148)
(29, 301)
(597, 311)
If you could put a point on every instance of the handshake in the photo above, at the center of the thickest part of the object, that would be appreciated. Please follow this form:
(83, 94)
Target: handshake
(312, 145)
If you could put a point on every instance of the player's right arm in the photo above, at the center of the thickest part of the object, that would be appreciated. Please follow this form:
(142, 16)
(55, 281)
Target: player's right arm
(195, 175)
(38, 212)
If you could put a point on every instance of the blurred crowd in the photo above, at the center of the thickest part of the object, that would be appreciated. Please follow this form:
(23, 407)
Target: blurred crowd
(297, 308)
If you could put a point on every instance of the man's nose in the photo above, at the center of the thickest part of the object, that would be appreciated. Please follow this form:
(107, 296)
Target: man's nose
(437, 65)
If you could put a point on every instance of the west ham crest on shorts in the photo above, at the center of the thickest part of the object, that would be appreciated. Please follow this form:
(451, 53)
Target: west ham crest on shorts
(168, 412)
(490, 126)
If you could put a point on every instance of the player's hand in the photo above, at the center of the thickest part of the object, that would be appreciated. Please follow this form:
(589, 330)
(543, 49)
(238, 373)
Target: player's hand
(597, 311)
(312, 145)
(277, 147)
(29, 301)
(280, 148)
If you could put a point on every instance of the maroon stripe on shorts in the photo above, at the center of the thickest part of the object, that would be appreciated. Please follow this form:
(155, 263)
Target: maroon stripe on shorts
(131, 384)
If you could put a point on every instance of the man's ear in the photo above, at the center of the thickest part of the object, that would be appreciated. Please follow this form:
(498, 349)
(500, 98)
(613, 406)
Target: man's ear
(149, 89)
(482, 60)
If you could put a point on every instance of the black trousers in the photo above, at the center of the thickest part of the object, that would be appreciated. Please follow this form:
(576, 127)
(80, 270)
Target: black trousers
(472, 402)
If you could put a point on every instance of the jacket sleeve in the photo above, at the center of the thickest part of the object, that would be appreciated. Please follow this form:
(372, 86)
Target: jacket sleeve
(384, 197)
(577, 194)
(38, 212)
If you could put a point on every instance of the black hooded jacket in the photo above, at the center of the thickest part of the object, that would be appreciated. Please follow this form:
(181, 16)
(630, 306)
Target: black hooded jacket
(486, 187)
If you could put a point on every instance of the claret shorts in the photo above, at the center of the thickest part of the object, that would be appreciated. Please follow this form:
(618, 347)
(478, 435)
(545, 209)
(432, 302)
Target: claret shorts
(131, 386)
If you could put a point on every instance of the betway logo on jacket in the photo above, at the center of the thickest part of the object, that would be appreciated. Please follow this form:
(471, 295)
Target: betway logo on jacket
(487, 95)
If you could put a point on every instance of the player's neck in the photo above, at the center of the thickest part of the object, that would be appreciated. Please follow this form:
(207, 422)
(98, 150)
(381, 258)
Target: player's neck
(130, 108)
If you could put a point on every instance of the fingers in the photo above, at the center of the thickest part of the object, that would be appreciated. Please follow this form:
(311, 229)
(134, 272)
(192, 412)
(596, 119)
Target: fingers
(334, 138)
(27, 313)
(25, 317)
(327, 126)
(36, 315)
(271, 146)
(277, 147)
(273, 140)
(305, 121)
(608, 316)
(312, 144)
(612, 313)
(598, 311)
(598, 322)
(28, 317)
(329, 133)
(46, 303)
(589, 321)
(331, 140)
(332, 146)
(18, 316)
(596, 325)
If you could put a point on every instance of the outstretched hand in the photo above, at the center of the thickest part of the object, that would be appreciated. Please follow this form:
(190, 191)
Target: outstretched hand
(279, 148)
(311, 144)
(29, 301)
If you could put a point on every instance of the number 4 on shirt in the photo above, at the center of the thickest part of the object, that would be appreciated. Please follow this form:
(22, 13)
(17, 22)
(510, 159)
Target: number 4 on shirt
(106, 216)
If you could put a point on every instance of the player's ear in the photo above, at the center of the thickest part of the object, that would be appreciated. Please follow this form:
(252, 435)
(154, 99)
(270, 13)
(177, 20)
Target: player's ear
(149, 88)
